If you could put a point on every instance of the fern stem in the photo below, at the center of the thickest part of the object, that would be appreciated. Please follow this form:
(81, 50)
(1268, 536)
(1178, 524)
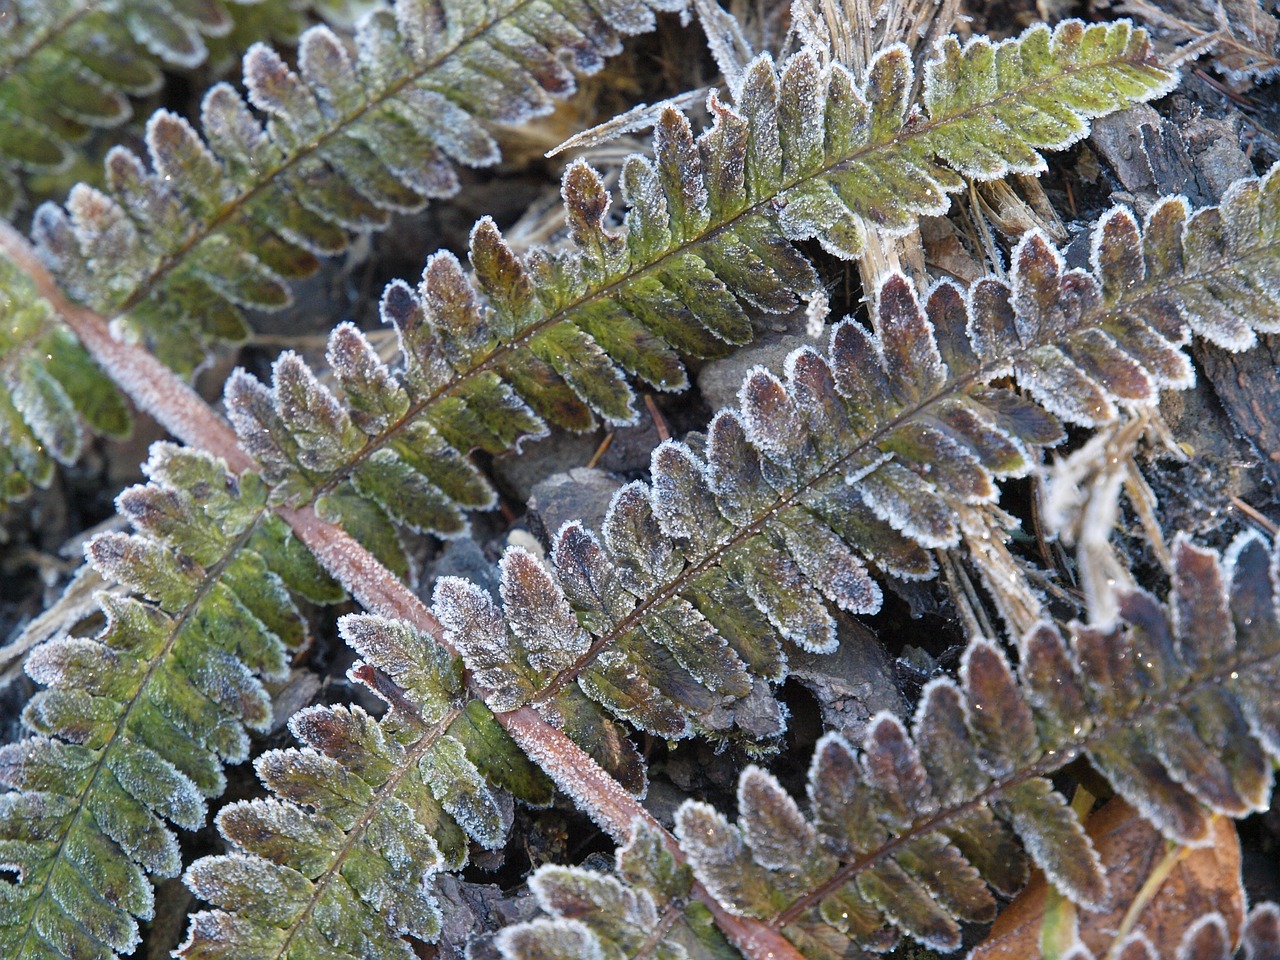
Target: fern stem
(375, 587)
(181, 411)
(670, 916)
(148, 382)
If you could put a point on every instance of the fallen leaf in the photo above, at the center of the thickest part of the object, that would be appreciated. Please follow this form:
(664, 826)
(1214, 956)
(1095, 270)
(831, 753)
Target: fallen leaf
(1157, 888)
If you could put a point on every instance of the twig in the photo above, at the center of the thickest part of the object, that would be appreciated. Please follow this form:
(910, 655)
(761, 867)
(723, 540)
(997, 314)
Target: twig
(180, 410)
(1253, 514)
(659, 421)
(605, 444)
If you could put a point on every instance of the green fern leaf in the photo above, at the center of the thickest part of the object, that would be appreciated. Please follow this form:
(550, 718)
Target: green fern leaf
(892, 445)
(225, 220)
(1174, 705)
(548, 340)
(136, 724)
(50, 391)
(394, 801)
(69, 67)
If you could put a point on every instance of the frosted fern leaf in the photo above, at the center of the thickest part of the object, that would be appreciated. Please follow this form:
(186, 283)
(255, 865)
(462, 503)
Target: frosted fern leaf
(131, 734)
(225, 217)
(71, 67)
(363, 814)
(51, 391)
(899, 833)
(491, 358)
(859, 461)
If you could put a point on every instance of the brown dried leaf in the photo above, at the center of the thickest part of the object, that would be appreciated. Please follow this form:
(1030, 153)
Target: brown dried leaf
(1198, 881)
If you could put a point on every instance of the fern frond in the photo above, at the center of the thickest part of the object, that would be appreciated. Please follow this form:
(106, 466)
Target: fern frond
(708, 240)
(136, 724)
(1175, 705)
(589, 914)
(68, 67)
(645, 910)
(223, 221)
(363, 814)
(50, 391)
(888, 447)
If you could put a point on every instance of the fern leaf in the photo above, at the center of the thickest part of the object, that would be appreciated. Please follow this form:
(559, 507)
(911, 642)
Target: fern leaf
(69, 67)
(645, 910)
(863, 460)
(223, 220)
(1261, 933)
(494, 359)
(50, 391)
(394, 801)
(1174, 705)
(136, 724)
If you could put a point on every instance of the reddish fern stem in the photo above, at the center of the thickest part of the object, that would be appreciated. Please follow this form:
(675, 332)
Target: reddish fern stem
(152, 386)
(182, 412)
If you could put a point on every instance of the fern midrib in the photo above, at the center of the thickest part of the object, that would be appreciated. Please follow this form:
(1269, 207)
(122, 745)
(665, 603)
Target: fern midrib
(386, 791)
(683, 579)
(502, 351)
(175, 260)
(1051, 760)
(954, 387)
(43, 40)
(671, 913)
(211, 578)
